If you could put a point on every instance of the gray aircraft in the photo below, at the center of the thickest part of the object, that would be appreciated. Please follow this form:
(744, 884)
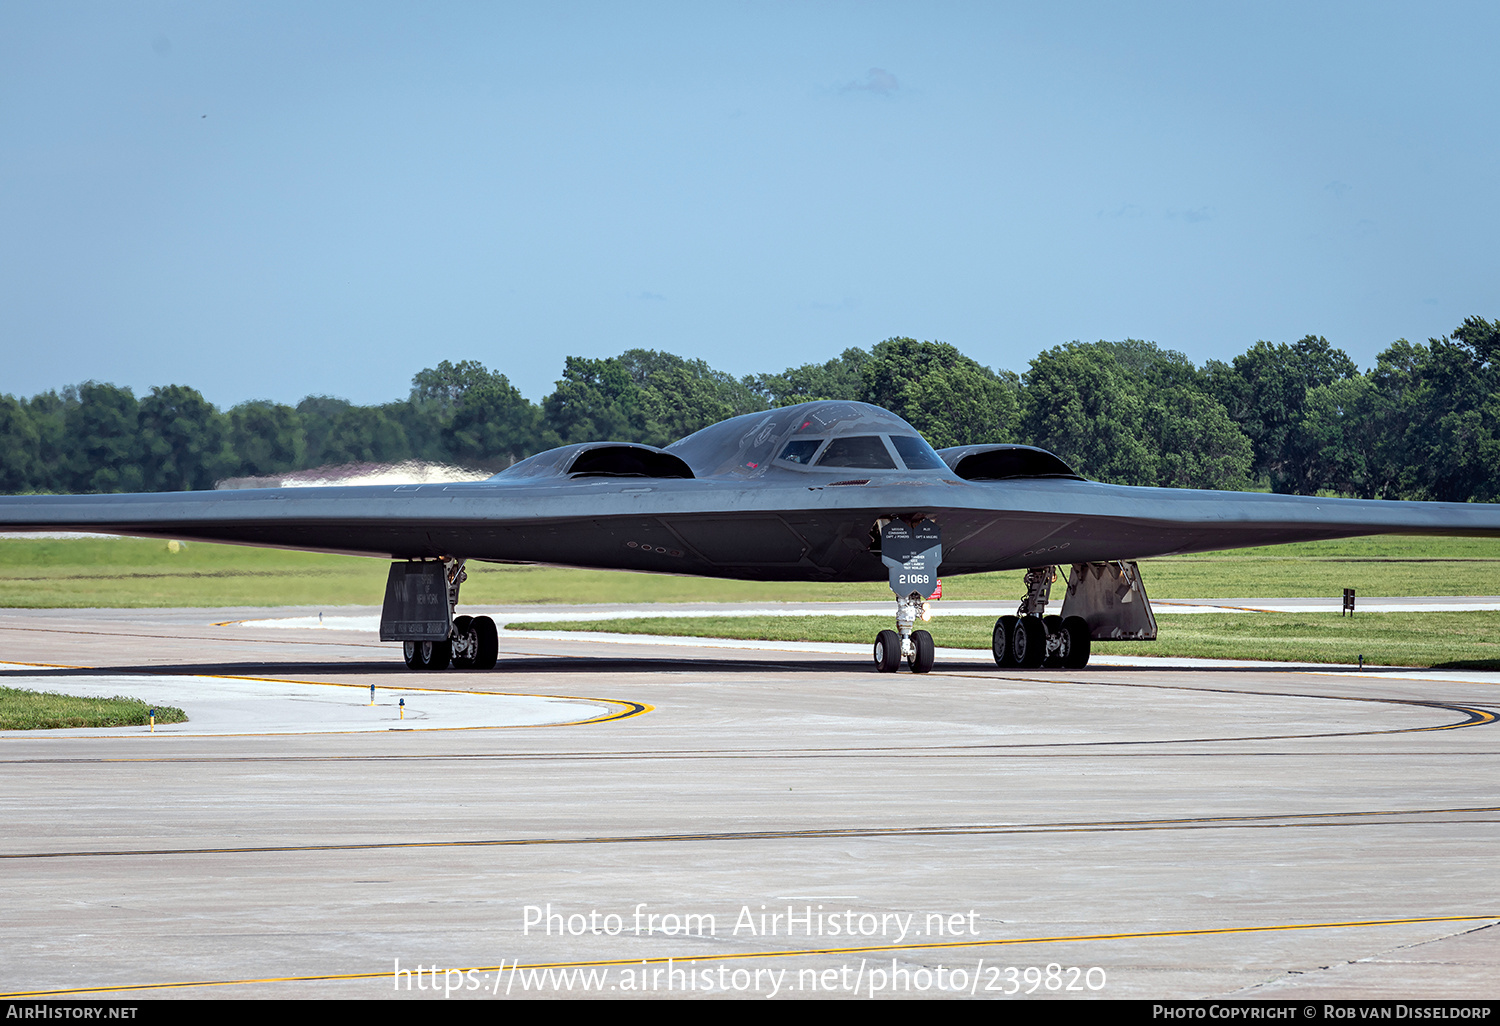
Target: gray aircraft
(824, 491)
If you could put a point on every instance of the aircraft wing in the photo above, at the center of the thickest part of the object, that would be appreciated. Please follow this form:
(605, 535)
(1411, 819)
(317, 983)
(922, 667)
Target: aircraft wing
(792, 494)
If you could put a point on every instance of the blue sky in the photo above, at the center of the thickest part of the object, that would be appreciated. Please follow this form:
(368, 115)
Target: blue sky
(268, 200)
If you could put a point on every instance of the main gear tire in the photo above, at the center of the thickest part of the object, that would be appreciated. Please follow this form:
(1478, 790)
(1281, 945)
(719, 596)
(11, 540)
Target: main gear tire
(1079, 643)
(1000, 645)
(488, 651)
(1028, 642)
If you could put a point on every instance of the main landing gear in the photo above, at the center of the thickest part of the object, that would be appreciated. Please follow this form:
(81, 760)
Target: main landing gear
(903, 643)
(473, 645)
(420, 599)
(1031, 639)
(1105, 602)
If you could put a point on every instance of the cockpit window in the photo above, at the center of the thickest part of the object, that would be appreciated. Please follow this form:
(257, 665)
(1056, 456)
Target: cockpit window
(864, 452)
(800, 451)
(917, 454)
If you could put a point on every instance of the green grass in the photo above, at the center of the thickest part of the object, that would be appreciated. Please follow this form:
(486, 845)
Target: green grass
(1443, 639)
(141, 573)
(42, 710)
(1392, 566)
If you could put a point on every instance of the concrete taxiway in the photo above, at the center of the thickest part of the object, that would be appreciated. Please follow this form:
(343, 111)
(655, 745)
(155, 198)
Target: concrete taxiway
(616, 816)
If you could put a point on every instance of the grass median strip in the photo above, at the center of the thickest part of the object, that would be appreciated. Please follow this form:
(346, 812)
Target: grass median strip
(1452, 640)
(45, 710)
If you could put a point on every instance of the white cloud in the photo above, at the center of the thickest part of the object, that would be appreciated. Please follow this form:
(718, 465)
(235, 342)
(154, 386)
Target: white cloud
(877, 80)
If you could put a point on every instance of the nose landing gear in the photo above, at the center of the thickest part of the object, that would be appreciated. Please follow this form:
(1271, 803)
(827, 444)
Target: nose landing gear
(903, 643)
(912, 551)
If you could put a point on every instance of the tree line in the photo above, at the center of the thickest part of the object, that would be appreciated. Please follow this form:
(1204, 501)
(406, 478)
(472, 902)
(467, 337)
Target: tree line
(1299, 417)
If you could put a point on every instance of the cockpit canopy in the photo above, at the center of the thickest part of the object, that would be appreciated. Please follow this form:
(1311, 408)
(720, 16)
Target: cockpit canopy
(816, 436)
(862, 452)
